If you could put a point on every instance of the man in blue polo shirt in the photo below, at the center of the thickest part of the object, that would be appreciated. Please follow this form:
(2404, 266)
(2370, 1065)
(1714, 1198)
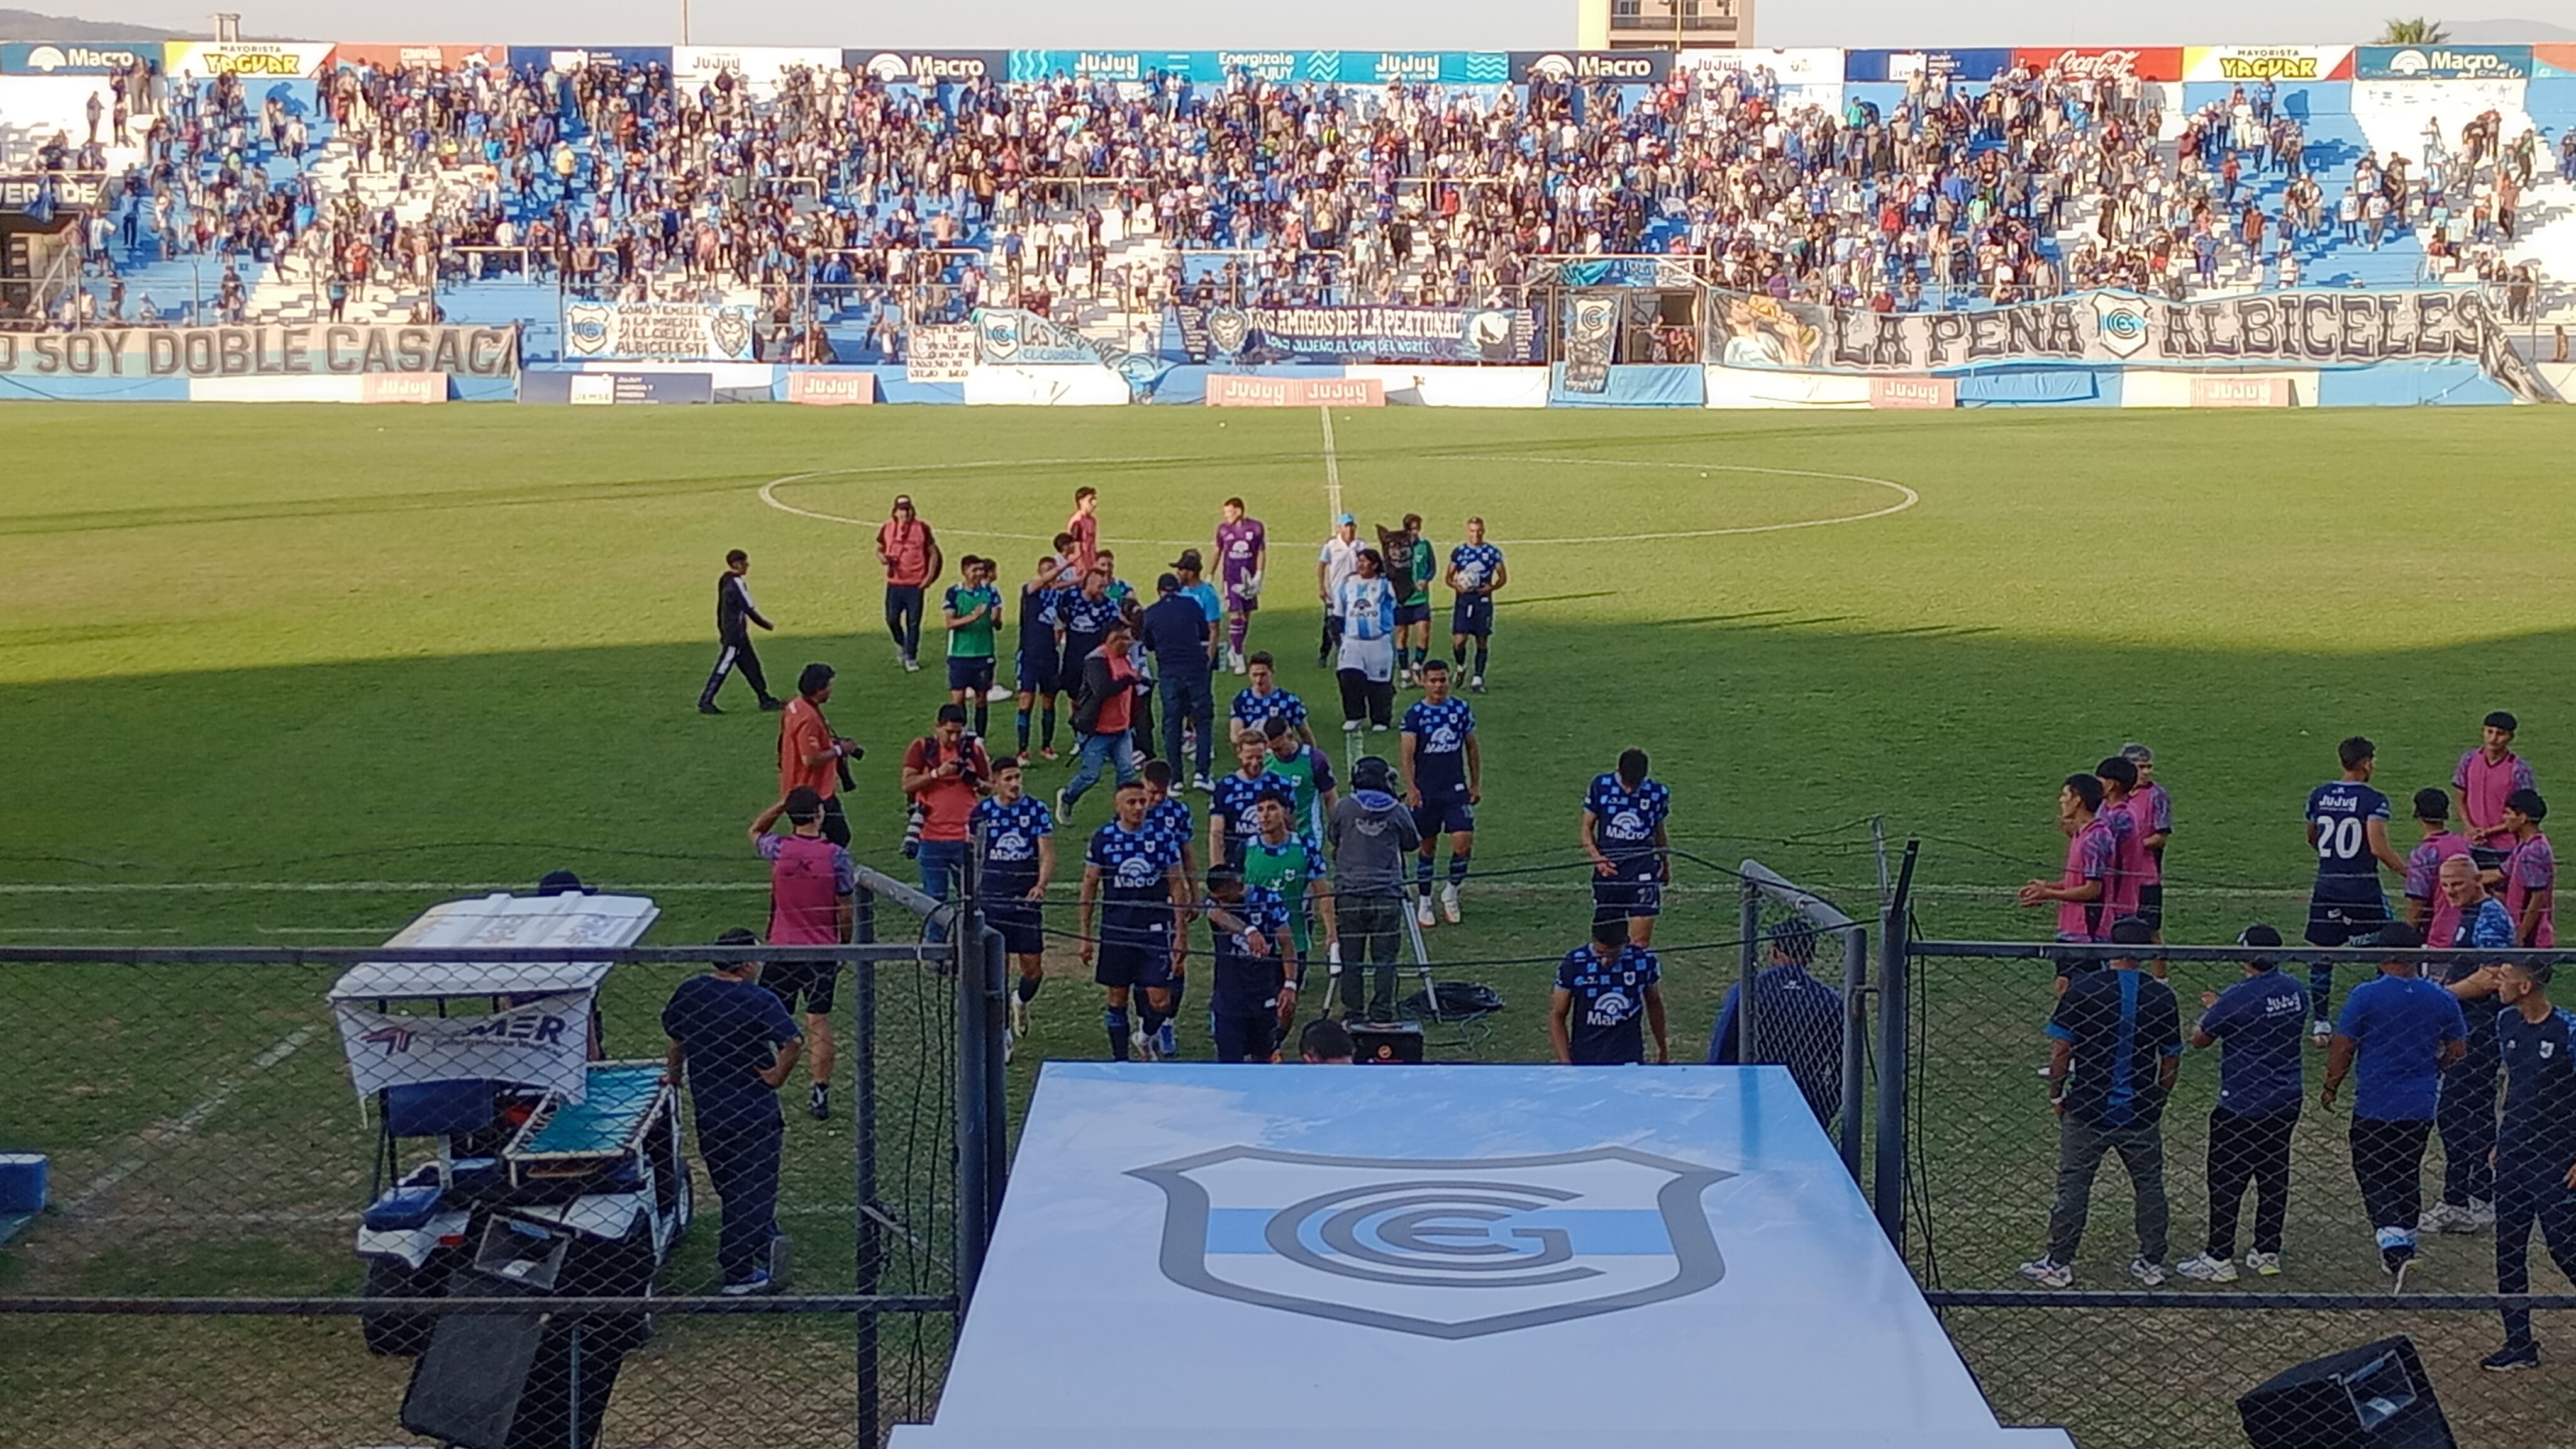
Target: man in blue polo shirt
(735, 1043)
(2116, 1043)
(2397, 1034)
(1797, 1022)
(2256, 1026)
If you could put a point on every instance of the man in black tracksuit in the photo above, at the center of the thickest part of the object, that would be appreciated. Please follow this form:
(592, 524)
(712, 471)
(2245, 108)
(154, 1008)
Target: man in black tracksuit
(735, 614)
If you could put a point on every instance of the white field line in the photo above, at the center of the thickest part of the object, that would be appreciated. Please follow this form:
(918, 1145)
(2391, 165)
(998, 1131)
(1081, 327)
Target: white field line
(1332, 476)
(188, 1121)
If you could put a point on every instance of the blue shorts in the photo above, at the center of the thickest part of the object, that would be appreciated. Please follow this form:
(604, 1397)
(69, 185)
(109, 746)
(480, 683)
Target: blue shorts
(1444, 813)
(1413, 613)
(1134, 955)
(2350, 915)
(974, 674)
(1038, 671)
(1636, 892)
(1473, 614)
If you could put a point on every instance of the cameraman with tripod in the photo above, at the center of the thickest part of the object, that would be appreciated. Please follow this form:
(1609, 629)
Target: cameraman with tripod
(945, 773)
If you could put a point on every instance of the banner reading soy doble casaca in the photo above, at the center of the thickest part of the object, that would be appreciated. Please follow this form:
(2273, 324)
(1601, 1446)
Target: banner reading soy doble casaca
(1358, 334)
(317, 350)
(2301, 328)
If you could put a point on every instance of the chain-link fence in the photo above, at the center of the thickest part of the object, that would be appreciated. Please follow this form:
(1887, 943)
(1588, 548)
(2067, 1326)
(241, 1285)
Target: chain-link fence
(509, 1182)
(2134, 1304)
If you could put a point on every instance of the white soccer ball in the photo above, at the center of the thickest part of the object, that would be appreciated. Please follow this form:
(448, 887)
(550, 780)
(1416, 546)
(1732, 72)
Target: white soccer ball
(1472, 576)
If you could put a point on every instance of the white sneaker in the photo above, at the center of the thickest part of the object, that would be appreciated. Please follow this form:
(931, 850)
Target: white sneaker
(1139, 1045)
(2322, 1030)
(2481, 1215)
(1449, 902)
(1019, 1016)
(1063, 809)
(1200, 783)
(2150, 1274)
(2443, 1217)
(1422, 910)
(1350, 727)
(2047, 1274)
(2206, 1269)
(1377, 729)
(2265, 1265)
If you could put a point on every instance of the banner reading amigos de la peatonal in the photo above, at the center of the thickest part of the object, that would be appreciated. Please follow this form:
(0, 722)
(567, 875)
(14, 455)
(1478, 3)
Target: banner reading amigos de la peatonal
(306, 351)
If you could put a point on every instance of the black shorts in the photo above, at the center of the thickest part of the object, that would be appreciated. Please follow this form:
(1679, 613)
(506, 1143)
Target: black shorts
(1023, 932)
(1634, 893)
(2345, 923)
(2151, 906)
(1473, 614)
(2488, 858)
(1413, 613)
(813, 981)
(1039, 672)
(1444, 813)
(1134, 956)
(970, 673)
(1245, 1038)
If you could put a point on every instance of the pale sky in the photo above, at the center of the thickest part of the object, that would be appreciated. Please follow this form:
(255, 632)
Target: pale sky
(1306, 24)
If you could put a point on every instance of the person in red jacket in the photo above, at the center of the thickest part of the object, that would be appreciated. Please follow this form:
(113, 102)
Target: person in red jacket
(910, 553)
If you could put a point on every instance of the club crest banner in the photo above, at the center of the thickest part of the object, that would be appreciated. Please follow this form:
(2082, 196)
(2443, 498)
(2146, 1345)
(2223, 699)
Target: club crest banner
(543, 1043)
(1358, 334)
(658, 331)
(2319, 328)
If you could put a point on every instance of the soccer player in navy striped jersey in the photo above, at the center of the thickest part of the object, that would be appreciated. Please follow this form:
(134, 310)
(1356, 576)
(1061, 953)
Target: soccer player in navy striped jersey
(2348, 829)
(1444, 769)
(1232, 805)
(1016, 834)
(1264, 701)
(1169, 815)
(1476, 573)
(1041, 664)
(1131, 881)
(1623, 833)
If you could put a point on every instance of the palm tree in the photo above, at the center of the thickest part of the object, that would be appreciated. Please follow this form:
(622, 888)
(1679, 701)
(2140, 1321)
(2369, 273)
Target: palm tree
(2418, 31)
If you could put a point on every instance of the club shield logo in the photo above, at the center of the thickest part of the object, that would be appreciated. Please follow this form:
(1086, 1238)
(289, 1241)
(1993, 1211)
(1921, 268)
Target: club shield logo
(1440, 1248)
(2120, 319)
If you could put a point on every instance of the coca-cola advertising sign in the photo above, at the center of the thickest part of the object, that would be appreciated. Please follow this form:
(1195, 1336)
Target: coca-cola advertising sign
(2146, 63)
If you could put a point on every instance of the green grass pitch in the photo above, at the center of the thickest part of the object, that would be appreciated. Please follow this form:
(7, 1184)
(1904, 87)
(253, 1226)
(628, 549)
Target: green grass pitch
(280, 674)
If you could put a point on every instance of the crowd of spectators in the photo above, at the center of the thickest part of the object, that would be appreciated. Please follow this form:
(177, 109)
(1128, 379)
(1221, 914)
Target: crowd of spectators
(827, 189)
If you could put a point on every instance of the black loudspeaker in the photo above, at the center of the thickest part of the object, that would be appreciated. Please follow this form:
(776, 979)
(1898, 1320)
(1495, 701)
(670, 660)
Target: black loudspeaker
(512, 1381)
(1393, 1042)
(2372, 1397)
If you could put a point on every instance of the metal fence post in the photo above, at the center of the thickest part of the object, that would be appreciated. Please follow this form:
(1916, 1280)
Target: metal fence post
(1749, 950)
(973, 1158)
(1887, 1177)
(1855, 1045)
(994, 1100)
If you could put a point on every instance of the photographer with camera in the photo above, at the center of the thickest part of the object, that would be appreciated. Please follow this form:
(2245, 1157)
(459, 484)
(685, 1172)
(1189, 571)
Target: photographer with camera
(945, 772)
(809, 754)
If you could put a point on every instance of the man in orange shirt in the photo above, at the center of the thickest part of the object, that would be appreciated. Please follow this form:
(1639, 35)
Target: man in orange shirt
(810, 755)
(910, 553)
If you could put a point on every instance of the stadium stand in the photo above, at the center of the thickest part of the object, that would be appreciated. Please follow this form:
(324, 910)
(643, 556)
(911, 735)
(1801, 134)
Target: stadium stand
(472, 184)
